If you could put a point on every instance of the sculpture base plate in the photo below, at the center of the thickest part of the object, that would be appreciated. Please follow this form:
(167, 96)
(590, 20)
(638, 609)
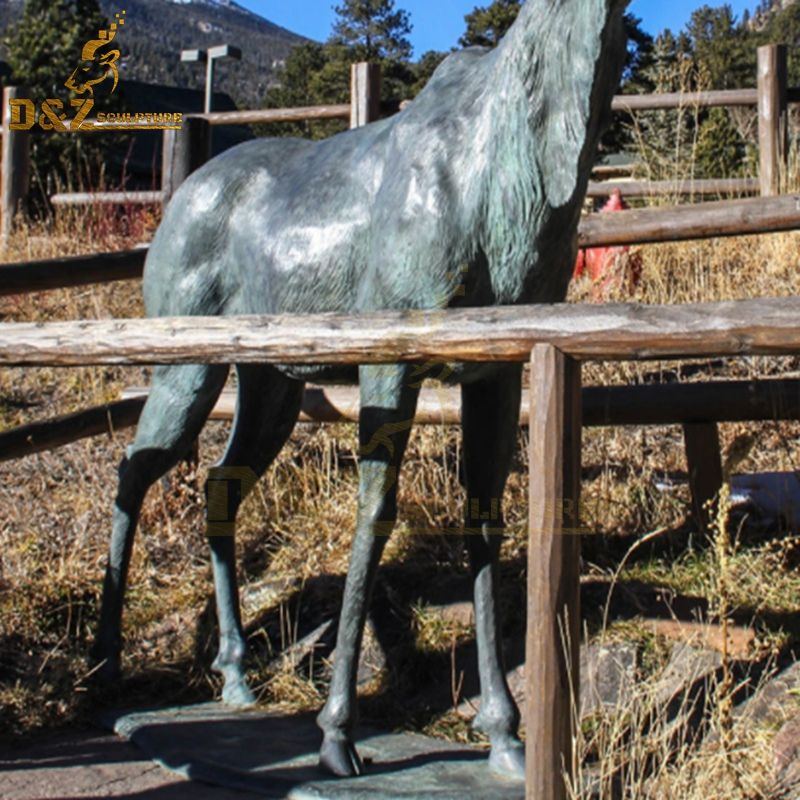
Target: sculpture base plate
(276, 756)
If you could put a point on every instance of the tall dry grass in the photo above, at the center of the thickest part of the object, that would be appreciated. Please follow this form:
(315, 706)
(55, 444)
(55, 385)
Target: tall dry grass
(295, 528)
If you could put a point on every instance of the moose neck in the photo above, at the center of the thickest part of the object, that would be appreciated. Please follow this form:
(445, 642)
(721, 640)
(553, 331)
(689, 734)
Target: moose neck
(552, 45)
(552, 80)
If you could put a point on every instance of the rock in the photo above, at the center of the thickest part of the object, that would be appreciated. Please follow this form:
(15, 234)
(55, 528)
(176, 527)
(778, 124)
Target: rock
(372, 660)
(297, 652)
(706, 636)
(459, 613)
(786, 749)
(261, 595)
(607, 674)
(775, 701)
(687, 667)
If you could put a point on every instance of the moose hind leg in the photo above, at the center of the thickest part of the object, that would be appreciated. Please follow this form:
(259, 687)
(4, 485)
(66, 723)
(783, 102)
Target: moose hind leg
(267, 409)
(490, 415)
(179, 402)
(388, 403)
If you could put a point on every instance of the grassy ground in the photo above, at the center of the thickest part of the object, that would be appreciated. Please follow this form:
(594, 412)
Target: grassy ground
(295, 529)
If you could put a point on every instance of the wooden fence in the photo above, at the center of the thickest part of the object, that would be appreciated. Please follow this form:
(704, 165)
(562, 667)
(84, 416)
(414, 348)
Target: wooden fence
(637, 226)
(555, 339)
(772, 98)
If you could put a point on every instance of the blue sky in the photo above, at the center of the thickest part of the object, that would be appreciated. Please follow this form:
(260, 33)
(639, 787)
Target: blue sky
(439, 23)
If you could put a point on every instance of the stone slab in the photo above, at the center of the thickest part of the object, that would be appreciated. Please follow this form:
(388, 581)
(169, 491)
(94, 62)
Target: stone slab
(90, 765)
(276, 756)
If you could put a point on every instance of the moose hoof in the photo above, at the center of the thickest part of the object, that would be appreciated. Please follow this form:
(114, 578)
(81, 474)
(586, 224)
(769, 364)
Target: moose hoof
(236, 692)
(339, 757)
(508, 760)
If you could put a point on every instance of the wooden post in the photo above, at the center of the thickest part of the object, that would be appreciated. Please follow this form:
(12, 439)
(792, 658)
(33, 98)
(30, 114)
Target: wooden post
(184, 151)
(365, 88)
(553, 626)
(773, 135)
(15, 162)
(704, 463)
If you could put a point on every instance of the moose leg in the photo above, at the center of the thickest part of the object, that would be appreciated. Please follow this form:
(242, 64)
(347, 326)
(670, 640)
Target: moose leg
(490, 417)
(388, 404)
(179, 402)
(267, 409)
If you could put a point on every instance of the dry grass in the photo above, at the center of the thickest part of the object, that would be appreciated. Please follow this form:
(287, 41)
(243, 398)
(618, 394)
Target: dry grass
(295, 529)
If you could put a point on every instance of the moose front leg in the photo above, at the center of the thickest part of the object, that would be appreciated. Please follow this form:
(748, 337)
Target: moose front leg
(388, 404)
(490, 418)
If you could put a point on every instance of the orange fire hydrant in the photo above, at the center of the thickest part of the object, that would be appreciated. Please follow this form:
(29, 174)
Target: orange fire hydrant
(609, 268)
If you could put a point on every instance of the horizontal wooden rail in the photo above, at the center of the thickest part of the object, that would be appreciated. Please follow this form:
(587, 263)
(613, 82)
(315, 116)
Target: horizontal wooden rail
(730, 98)
(61, 273)
(656, 404)
(697, 188)
(604, 172)
(649, 404)
(105, 198)
(640, 226)
(589, 332)
(671, 100)
(52, 433)
(272, 115)
(694, 221)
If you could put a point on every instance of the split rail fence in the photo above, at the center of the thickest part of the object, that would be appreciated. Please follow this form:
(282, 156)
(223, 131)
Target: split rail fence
(555, 339)
(772, 97)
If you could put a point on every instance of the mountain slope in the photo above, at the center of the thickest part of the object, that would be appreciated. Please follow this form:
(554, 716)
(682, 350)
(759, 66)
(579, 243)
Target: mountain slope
(157, 30)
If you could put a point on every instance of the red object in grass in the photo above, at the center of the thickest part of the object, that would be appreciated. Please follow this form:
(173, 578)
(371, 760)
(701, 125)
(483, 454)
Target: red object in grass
(609, 267)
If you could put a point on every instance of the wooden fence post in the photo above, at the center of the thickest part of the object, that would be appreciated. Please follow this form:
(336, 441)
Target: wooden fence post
(184, 151)
(773, 128)
(704, 465)
(553, 626)
(365, 92)
(15, 167)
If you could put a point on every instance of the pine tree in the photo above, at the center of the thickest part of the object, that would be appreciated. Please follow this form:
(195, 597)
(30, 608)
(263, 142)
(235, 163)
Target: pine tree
(486, 26)
(372, 30)
(721, 151)
(43, 49)
(365, 30)
(665, 139)
(424, 69)
(296, 90)
(46, 44)
(722, 47)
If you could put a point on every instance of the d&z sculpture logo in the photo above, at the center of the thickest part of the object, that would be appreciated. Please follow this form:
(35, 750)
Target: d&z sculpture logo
(97, 67)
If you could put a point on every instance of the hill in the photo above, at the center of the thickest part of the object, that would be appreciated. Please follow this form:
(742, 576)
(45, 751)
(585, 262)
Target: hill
(157, 30)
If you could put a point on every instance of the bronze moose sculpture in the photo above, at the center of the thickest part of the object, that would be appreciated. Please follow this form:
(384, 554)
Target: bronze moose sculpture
(469, 197)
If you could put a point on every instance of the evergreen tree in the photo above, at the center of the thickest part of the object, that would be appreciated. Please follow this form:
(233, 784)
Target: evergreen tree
(724, 50)
(487, 25)
(372, 30)
(424, 69)
(640, 53)
(45, 46)
(725, 54)
(721, 151)
(43, 50)
(665, 138)
(783, 27)
(365, 30)
(296, 89)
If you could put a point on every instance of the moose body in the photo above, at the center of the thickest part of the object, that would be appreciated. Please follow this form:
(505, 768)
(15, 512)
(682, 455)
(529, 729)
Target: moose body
(469, 197)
